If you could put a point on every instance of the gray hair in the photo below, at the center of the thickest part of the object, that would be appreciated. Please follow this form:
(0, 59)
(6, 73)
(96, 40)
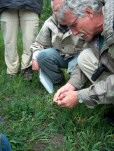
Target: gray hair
(78, 7)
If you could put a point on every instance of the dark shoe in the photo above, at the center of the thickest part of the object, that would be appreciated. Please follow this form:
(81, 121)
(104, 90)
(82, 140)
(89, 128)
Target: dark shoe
(109, 115)
(110, 121)
(28, 73)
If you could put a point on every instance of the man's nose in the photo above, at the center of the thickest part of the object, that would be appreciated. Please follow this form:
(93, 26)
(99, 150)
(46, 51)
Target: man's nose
(74, 32)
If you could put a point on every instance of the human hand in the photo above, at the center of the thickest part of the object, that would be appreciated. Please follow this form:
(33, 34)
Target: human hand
(68, 99)
(35, 65)
(65, 88)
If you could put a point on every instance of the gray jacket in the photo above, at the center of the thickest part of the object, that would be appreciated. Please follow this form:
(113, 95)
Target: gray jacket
(50, 36)
(103, 91)
(33, 5)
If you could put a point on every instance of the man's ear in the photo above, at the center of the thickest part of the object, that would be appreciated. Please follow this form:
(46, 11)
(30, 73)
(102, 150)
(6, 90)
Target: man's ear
(89, 12)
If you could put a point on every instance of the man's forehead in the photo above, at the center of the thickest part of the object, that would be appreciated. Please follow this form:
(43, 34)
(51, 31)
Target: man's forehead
(69, 14)
(58, 1)
(69, 17)
(57, 4)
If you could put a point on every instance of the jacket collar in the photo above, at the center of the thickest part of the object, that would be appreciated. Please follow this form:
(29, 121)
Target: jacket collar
(53, 25)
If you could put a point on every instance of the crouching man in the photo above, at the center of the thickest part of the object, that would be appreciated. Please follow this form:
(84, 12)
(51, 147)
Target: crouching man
(96, 63)
(56, 47)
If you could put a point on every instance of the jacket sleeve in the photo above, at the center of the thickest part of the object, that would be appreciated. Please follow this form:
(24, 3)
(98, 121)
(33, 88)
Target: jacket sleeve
(99, 93)
(77, 78)
(44, 37)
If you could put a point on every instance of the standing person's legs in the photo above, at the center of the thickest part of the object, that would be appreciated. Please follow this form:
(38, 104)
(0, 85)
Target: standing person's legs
(51, 61)
(29, 25)
(9, 26)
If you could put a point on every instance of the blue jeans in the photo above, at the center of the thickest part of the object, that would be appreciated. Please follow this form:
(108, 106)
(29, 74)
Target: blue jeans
(50, 61)
(4, 143)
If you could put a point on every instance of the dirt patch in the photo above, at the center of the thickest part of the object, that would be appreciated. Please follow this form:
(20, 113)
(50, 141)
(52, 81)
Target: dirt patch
(55, 143)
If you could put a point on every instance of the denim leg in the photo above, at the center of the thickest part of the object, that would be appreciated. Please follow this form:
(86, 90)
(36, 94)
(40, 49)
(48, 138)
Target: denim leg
(51, 61)
(72, 63)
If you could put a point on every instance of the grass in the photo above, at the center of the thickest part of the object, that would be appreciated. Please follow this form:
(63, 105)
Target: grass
(33, 123)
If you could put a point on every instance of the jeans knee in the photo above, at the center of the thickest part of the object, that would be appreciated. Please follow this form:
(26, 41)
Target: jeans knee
(45, 55)
(41, 57)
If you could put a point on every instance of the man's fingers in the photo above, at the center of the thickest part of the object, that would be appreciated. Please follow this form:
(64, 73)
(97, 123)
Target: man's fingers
(68, 99)
(61, 96)
(59, 92)
(60, 103)
(62, 90)
(57, 95)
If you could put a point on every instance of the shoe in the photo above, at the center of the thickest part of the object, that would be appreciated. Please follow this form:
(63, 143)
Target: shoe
(28, 73)
(109, 115)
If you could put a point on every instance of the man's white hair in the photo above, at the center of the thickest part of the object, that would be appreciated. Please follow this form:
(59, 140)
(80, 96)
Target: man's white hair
(78, 7)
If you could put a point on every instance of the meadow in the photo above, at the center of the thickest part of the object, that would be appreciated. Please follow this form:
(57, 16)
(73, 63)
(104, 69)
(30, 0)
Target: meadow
(32, 122)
